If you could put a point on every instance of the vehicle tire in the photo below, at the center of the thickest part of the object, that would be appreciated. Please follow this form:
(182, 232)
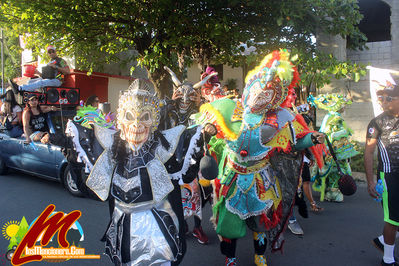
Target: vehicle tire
(70, 184)
(3, 167)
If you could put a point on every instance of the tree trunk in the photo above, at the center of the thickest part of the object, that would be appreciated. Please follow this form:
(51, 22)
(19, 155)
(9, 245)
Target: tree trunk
(162, 82)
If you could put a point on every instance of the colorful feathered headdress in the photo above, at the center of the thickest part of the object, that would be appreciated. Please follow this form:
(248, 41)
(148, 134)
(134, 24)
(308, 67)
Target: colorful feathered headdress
(275, 72)
(330, 102)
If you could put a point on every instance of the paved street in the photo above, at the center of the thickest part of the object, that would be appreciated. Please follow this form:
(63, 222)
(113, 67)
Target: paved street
(341, 235)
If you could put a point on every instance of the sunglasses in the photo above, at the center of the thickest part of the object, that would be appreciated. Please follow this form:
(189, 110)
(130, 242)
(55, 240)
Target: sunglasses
(386, 98)
(51, 51)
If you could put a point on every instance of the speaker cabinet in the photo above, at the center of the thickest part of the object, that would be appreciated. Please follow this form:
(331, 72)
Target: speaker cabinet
(40, 96)
(62, 96)
(55, 96)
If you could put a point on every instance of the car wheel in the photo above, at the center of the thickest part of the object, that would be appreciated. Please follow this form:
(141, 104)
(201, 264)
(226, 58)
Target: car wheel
(3, 167)
(70, 183)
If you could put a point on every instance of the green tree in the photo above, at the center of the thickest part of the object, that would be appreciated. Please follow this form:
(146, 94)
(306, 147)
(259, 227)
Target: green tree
(174, 32)
(23, 229)
(12, 55)
(13, 242)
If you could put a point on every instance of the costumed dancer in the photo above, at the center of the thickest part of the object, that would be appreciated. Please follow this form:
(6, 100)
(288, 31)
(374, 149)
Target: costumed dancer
(211, 89)
(139, 172)
(337, 131)
(185, 102)
(259, 166)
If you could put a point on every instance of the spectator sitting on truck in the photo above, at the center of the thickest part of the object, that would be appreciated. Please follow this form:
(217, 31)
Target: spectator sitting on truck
(52, 74)
(34, 120)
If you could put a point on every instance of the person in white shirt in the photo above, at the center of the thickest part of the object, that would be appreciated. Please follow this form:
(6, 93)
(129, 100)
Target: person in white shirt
(12, 114)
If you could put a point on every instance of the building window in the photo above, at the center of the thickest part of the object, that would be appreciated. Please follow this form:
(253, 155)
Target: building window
(376, 23)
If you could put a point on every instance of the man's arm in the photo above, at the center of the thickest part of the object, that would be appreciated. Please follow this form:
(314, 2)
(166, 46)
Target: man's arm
(371, 143)
(63, 68)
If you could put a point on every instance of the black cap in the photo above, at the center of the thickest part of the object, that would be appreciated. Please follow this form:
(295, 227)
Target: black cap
(31, 96)
(390, 90)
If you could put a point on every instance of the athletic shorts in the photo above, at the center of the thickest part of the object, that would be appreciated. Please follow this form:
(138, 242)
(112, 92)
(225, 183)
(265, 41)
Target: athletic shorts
(390, 197)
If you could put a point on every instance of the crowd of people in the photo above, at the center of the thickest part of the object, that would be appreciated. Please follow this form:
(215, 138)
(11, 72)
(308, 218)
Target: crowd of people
(252, 157)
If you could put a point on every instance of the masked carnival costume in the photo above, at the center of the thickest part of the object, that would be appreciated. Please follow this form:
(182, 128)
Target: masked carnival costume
(337, 131)
(211, 89)
(185, 102)
(139, 171)
(259, 166)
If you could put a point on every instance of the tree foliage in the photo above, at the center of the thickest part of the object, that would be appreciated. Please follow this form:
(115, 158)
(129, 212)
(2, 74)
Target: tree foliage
(12, 55)
(174, 32)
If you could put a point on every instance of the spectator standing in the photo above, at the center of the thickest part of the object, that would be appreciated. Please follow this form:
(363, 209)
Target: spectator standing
(12, 114)
(52, 74)
(384, 131)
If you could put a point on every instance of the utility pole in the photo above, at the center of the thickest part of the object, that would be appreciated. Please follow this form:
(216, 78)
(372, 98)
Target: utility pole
(2, 60)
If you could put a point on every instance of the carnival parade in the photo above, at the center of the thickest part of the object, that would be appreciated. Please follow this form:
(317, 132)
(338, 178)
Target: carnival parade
(199, 133)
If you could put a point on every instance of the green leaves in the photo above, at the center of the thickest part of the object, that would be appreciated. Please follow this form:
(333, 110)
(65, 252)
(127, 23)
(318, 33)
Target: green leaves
(175, 33)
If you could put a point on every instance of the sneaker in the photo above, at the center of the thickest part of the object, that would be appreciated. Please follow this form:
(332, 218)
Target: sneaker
(260, 260)
(14, 87)
(200, 235)
(383, 263)
(295, 228)
(230, 261)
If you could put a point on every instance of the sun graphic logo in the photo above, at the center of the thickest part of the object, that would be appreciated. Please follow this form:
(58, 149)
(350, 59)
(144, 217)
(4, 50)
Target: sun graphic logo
(10, 229)
(14, 231)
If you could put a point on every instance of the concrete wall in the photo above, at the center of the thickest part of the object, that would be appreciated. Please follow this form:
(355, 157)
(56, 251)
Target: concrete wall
(381, 55)
(360, 112)
(115, 85)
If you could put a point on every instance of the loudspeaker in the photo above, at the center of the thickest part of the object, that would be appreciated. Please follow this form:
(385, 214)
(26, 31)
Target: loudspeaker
(62, 96)
(41, 96)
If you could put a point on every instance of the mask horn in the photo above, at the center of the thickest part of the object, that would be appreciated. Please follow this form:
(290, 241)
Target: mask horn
(175, 80)
(202, 82)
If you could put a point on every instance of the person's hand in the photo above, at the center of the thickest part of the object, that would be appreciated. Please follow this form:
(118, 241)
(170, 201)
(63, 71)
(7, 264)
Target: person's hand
(371, 189)
(320, 137)
(196, 98)
(210, 129)
(177, 95)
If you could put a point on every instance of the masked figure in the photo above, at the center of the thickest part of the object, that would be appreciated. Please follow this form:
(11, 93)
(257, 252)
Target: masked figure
(139, 171)
(337, 131)
(185, 102)
(259, 164)
(211, 89)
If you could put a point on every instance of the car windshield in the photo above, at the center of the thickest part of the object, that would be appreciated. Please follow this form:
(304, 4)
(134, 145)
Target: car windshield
(59, 119)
